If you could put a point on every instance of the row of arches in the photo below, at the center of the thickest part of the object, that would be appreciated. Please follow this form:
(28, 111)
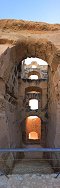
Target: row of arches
(33, 98)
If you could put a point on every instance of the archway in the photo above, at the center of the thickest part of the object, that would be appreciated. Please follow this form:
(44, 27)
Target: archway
(32, 74)
(16, 50)
(7, 74)
(33, 128)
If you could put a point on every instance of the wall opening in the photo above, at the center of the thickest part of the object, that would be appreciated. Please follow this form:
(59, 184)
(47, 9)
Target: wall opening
(33, 77)
(34, 68)
(33, 128)
(33, 104)
(33, 135)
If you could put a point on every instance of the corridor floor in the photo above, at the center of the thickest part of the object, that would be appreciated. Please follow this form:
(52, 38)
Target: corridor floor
(32, 162)
(32, 166)
(31, 173)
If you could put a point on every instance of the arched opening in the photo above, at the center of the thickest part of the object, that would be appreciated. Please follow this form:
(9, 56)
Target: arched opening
(34, 68)
(33, 77)
(33, 98)
(33, 103)
(33, 128)
(33, 135)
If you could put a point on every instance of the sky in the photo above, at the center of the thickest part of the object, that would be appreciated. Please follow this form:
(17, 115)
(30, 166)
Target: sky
(33, 10)
(39, 61)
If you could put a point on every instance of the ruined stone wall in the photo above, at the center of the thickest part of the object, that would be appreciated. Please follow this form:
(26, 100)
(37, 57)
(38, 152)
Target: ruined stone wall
(11, 96)
(4, 132)
(10, 131)
(19, 40)
(53, 129)
(51, 111)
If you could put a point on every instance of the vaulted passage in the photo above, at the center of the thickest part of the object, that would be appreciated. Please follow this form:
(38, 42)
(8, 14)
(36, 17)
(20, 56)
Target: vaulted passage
(30, 91)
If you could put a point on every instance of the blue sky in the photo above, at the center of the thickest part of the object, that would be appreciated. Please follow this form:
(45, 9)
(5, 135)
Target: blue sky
(35, 10)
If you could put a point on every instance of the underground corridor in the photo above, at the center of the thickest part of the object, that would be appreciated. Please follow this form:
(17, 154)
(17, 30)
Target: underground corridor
(29, 102)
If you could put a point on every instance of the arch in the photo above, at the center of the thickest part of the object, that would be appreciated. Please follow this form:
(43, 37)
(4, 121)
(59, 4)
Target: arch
(33, 88)
(24, 48)
(33, 124)
(33, 77)
(34, 73)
